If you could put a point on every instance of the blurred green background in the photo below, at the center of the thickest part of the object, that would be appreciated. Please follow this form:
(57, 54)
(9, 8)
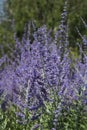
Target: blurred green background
(41, 12)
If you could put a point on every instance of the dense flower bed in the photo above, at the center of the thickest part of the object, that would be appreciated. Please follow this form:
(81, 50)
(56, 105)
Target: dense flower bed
(41, 87)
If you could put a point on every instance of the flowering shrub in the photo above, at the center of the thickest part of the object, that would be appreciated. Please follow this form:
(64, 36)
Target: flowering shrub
(40, 86)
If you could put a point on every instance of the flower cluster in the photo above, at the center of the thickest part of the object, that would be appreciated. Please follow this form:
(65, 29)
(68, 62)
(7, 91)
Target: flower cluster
(37, 68)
